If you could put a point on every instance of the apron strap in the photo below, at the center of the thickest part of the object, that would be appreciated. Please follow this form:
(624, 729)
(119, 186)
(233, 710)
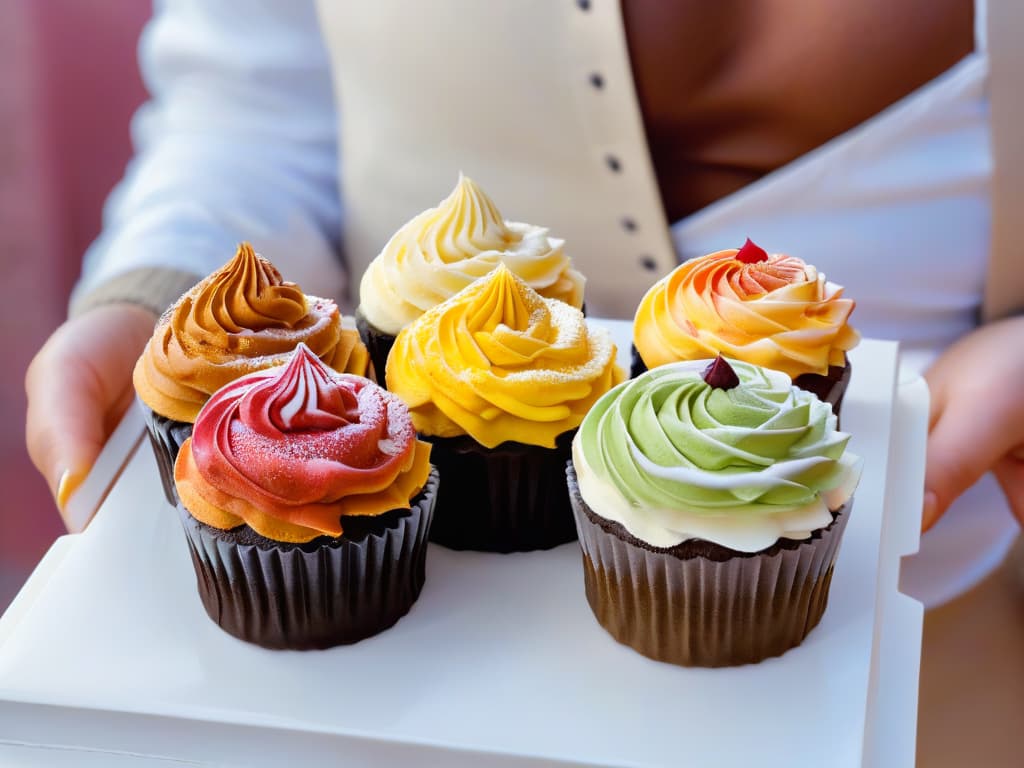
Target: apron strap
(1004, 288)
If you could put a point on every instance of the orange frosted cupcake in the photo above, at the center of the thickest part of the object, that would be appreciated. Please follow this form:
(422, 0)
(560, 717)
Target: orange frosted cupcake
(306, 500)
(771, 310)
(242, 318)
(498, 378)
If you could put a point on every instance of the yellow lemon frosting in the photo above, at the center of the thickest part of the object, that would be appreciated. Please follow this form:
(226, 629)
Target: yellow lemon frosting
(770, 310)
(499, 362)
(444, 249)
(242, 318)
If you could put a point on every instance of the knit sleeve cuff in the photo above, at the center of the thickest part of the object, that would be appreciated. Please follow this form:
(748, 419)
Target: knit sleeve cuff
(154, 288)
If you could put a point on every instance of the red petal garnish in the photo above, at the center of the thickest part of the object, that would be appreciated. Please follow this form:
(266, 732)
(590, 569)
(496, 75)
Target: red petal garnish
(751, 253)
(720, 374)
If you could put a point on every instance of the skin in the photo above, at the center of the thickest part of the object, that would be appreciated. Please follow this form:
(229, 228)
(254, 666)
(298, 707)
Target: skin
(726, 96)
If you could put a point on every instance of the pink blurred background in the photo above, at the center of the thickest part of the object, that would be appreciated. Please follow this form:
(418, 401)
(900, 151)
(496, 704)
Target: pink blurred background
(68, 88)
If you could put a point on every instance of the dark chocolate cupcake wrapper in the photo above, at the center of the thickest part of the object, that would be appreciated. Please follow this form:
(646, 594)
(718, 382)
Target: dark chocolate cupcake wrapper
(316, 595)
(378, 343)
(702, 604)
(829, 388)
(511, 498)
(166, 436)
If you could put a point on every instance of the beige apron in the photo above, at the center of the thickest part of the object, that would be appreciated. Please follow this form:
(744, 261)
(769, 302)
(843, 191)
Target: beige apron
(535, 100)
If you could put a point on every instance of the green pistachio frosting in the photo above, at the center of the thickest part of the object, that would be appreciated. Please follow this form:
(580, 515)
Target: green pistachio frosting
(668, 455)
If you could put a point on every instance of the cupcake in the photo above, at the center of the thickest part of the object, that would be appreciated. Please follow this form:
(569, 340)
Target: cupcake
(443, 250)
(710, 498)
(306, 500)
(498, 379)
(240, 319)
(769, 310)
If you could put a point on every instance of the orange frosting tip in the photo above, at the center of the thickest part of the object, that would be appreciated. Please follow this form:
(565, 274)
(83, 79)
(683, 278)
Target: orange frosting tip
(771, 310)
(242, 318)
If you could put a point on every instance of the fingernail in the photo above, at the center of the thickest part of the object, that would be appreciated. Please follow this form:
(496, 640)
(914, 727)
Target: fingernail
(931, 503)
(69, 483)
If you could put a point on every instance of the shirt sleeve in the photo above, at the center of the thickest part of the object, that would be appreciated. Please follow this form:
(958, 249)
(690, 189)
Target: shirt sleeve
(237, 142)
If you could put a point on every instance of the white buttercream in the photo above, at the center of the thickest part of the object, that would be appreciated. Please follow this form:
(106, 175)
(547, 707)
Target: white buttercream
(743, 532)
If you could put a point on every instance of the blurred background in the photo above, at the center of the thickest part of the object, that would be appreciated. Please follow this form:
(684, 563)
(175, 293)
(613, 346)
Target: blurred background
(69, 84)
(68, 88)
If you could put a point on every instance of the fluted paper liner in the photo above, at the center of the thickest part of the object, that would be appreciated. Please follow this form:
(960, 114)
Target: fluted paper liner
(709, 606)
(166, 436)
(511, 498)
(325, 593)
(378, 344)
(828, 388)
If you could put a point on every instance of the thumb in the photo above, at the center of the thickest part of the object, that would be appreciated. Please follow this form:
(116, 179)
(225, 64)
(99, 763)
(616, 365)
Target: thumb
(64, 426)
(962, 446)
(1010, 474)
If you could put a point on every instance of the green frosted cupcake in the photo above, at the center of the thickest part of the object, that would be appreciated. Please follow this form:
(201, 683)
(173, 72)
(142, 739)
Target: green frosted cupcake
(710, 500)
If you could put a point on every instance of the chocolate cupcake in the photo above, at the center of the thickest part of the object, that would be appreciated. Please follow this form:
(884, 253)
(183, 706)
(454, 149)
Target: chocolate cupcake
(498, 378)
(769, 310)
(443, 250)
(306, 500)
(710, 499)
(240, 319)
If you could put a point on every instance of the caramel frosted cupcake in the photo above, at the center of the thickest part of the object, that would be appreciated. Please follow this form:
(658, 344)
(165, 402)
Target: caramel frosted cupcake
(444, 249)
(710, 498)
(240, 319)
(770, 310)
(306, 499)
(498, 379)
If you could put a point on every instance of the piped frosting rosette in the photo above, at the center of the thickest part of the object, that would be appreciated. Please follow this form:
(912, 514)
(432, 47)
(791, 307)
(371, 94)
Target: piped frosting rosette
(240, 319)
(499, 362)
(444, 249)
(672, 458)
(293, 450)
(770, 310)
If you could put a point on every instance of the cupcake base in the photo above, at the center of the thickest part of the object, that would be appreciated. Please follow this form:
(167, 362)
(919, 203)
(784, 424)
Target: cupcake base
(379, 345)
(326, 592)
(701, 604)
(511, 498)
(166, 436)
(829, 388)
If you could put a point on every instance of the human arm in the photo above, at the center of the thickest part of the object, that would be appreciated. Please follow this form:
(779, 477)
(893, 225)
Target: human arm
(977, 417)
(237, 142)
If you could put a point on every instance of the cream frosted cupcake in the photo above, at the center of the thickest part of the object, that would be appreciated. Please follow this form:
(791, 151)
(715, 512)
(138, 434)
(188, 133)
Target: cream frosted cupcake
(498, 379)
(306, 500)
(770, 310)
(444, 249)
(710, 498)
(242, 318)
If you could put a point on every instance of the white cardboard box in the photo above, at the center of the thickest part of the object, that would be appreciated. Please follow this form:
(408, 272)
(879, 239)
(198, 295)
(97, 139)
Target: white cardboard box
(108, 655)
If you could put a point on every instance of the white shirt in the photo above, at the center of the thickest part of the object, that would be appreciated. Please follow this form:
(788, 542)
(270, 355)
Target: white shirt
(240, 142)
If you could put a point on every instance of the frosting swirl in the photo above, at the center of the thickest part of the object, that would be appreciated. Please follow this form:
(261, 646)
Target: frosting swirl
(444, 249)
(499, 362)
(671, 457)
(774, 311)
(240, 319)
(291, 450)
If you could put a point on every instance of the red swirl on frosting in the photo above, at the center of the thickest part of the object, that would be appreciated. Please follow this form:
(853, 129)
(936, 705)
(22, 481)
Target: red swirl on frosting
(291, 450)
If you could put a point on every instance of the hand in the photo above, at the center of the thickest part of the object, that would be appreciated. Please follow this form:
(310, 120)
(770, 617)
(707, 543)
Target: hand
(977, 417)
(79, 385)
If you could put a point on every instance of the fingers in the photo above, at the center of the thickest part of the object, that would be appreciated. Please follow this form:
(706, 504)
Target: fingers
(1010, 474)
(965, 442)
(78, 387)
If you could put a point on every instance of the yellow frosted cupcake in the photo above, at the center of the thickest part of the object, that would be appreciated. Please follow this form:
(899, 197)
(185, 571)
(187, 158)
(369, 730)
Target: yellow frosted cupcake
(498, 378)
(444, 249)
(242, 318)
(771, 310)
